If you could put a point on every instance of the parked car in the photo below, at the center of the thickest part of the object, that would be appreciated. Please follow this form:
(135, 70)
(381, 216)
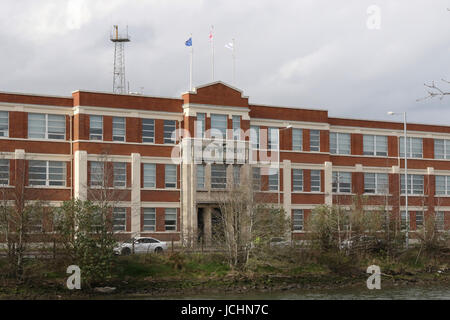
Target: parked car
(141, 245)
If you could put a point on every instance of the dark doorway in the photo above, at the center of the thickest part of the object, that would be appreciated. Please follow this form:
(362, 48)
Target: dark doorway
(217, 227)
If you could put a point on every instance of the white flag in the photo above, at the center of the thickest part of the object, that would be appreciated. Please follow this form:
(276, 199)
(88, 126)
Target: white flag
(229, 46)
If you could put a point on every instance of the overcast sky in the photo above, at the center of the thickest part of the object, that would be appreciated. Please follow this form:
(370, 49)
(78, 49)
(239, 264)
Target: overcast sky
(317, 54)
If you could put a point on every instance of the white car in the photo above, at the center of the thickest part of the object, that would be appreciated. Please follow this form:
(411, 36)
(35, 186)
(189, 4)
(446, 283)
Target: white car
(141, 245)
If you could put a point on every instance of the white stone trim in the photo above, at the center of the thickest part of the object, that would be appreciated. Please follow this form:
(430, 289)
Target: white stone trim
(148, 204)
(125, 112)
(35, 108)
(191, 109)
(284, 123)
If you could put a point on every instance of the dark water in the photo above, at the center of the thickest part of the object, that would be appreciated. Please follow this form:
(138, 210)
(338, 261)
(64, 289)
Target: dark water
(389, 293)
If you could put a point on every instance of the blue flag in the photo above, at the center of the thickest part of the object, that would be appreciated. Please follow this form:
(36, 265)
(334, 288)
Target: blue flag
(188, 42)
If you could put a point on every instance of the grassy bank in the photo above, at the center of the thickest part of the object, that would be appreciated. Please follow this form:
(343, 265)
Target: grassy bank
(190, 273)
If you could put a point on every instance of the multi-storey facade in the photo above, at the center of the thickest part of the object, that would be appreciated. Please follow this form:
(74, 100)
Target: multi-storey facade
(68, 145)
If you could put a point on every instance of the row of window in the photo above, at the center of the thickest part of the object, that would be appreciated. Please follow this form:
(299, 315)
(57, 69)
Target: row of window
(298, 219)
(53, 126)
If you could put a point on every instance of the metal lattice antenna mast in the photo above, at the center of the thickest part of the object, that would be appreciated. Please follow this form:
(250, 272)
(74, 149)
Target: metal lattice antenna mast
(119, 60)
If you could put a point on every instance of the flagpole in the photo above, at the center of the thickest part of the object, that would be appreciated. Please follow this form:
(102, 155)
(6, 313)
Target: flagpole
(190, 66)
(234, 64)
(212, 52)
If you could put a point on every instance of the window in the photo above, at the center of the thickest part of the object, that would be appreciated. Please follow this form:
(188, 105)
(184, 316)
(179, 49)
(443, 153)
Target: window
(272, 138)
(256, 174)
(169, 130)
(97, 172)
(219, 126)
(297, 219)
(297, 139)
(4, 123)
(170, 176)
(171, 219)
(118, 129)
(254, 136)
(377, 183)
(96, 128)
(443, 185)
(218, 176)
(200, 176)
(148, 130)
(46, 126)
(201, 118)
(236, 128)
(419, 219)
(415, 183)
(374, 145)
(413, 145)
(314, 140)
(342, 182)
(315, 180)
(149, 219)
(441, 149)
(339, 143)
(120, 174)
(149, 175)
(119, 219)
(440, 221)
(403, 219)
(47, 173)
(236, 175)
(297, 179)
(273, 179)
(4, 172)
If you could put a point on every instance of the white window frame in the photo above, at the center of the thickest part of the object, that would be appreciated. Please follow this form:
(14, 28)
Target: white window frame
(297, 139)
(170, 176)
(119, 171)
(340, 143)
(298, 220)
(217, 122)
(340, 180)
(254, 137)
(149, 170)
(273, 179)
(169, 125)
(149, 215)
(170, 212)
(236, 175)
(119, 134)
(412, 184)
(45, 134)
(409, 146)
(316, 138)
(218, 181)
(148, 133)
(273, 138)
(445, 147)
(4, 163)
(95, 119)
(445, 180)
(97, 179)
(378, 142)
(200, 125)
(440, 220)
(119, 215)
(316, 177)
(47, 165)
(201, 177)
(297, 180)
(378, 187)
(5, 131)
(236, 124)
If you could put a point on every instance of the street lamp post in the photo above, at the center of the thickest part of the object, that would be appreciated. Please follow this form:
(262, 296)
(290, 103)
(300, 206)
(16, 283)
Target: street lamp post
(406, 175)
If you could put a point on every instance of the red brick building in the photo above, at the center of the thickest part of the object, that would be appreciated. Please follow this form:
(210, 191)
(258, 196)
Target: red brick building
(67, 145)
